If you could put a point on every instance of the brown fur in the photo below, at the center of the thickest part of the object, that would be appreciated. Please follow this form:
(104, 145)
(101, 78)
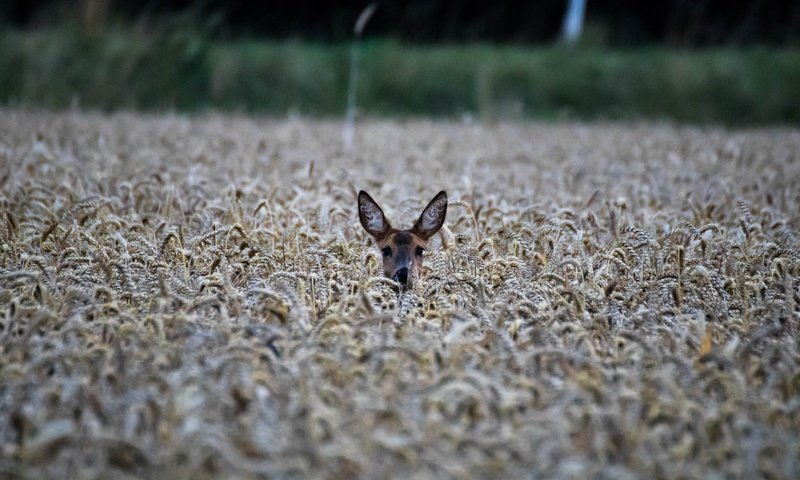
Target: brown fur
(402, 248)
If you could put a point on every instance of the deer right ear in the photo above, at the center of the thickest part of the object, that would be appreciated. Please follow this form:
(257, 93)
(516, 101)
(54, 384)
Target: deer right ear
(432, 217)
(371, 216)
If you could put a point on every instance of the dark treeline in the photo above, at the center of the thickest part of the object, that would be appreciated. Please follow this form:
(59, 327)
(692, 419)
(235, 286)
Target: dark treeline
(613, 22)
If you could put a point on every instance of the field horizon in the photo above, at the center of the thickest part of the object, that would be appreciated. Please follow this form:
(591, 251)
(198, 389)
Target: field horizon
(192, 296)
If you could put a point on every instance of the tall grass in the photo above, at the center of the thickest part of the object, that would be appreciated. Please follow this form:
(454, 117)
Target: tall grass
(182, 69)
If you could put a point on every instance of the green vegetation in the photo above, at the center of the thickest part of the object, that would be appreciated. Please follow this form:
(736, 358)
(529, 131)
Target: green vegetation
(179, 68)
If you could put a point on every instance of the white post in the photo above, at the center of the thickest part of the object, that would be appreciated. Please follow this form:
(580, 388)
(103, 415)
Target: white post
(573, 21)
(350, 120)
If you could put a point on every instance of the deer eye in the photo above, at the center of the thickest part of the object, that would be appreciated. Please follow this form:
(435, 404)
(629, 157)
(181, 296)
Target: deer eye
(419, 251)
(387, 251)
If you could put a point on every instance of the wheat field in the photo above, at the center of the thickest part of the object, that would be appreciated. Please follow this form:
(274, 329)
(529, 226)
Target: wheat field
(193, 297)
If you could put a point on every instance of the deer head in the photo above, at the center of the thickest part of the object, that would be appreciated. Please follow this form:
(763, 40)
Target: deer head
(403, 250)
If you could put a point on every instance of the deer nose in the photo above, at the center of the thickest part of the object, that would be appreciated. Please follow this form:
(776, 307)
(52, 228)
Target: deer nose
(401, 275)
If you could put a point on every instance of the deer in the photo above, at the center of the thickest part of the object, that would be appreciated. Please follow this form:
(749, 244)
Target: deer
(402, 250)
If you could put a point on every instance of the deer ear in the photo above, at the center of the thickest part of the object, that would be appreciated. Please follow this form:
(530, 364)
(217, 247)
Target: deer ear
(371, 216)
(432, 217)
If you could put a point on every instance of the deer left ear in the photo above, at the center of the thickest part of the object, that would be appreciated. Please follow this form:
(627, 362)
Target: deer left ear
(432, 217)
(371, 216)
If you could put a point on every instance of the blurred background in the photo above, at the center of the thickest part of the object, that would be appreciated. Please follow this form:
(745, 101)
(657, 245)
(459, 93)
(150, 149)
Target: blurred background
(697, 61)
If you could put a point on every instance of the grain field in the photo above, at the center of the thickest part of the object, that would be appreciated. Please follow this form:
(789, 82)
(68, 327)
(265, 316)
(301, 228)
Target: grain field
(194, 298)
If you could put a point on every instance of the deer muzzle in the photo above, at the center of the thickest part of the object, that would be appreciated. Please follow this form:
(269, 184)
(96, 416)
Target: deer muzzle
(401, 276)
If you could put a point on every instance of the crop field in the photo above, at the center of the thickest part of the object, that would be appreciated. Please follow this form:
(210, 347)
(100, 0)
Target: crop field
(194, 298)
